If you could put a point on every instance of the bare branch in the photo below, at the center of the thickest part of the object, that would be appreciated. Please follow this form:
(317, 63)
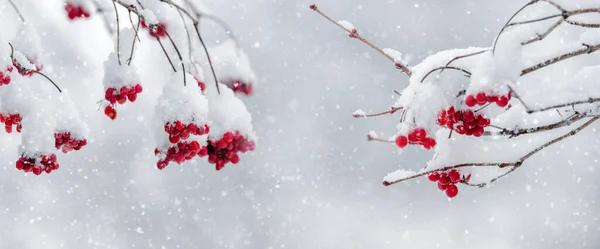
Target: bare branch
(212, 69)
(507, 22)
(166, 54)
(446, 67)
(17, 10)
(534, 20)
(354, 34)
(587, 50)
(464, 56)
(391, 111)
(178, 53)
(543, 35)
(523, 131)
(585, 25)
(118, 33)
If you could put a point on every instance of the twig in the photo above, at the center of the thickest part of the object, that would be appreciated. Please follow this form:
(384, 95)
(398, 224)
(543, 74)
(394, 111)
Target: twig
(507, 22)
(17, 10)
(534, 20)
(524, 131)
(354, 34)
(587, 50)
(212, 69)
(391, 111)
(118, 33)
(464, 56)
(543, 35)
(133, 44)
(25, 70)
(579, 102)
(445, 67)
(166, 54)
(178, 53)
(515, 164)
(133, 26)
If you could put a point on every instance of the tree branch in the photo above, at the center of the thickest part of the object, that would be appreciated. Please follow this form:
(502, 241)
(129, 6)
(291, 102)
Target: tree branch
(587, 50)
(446, 67)
(354, 34)
(25, 70)
(17, 10)
(515, 164)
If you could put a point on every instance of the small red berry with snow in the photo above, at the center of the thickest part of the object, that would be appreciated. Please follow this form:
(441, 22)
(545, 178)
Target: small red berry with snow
(482, 98)
(241, 87)
(110, 112)
(75, 11)
(226, 149)
(38, 165)
(67, 143)
(178, 153)
(416, 136)
(5, 76)
(10, 120)
(181, 131)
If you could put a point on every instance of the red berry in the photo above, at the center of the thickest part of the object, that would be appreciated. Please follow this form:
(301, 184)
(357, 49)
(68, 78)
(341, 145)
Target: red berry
(429, 143)
(481, 98)
(452, 191)
(235, 159)
(502, 101)
(470, 101)
(454, 176)
(433, 176)
(420, 134)
(442, 186)
(138, 88)
(468, 116)
(478, 131)
(401, 141)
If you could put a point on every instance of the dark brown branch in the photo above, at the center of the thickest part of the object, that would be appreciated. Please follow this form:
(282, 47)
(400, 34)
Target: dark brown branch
(515, 164)
(354, 34)
(215, 19)
(446, 67)
(134, 40)
(587, 50)
(391, 111)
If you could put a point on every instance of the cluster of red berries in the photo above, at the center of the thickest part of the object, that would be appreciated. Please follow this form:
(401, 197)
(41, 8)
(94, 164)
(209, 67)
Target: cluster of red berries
(160, 29)
(121, 96)
(481, 99)
(180, 153)
(114, 96)
(447, 181)
(226, 149)
(417, 136)
(63, 141)
(46, 163)
(239, 86)
(464, 122)
(26, 72)
(180, 131)
(74, 12)
(4, 77)
(9, 120)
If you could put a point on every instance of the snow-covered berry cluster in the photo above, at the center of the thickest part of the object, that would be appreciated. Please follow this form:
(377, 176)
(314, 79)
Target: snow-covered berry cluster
(123, 94)
(9, 120)
(75, 11)
(5, 77)
(157, 30)
(482, 99)
(65, 142)
(38, 164)
(226, 149)
(26, 71)
(241, 87)
(178, 153)
(464, 122)
(447, 181)
(416, 136)
(180, 131)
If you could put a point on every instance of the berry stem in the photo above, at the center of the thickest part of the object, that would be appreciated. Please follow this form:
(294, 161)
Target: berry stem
(446, 67)
(118, 33)
(391, 111)
(17, 10)
(12, 51)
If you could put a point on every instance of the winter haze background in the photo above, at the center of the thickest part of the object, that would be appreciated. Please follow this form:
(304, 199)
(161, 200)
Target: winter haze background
(314, 181)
